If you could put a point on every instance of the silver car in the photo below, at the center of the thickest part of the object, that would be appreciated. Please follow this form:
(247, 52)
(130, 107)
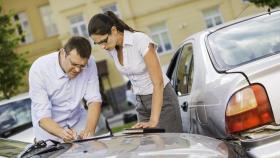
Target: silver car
(152, 145)
(138, 143)
(167, 145)
(227, 80)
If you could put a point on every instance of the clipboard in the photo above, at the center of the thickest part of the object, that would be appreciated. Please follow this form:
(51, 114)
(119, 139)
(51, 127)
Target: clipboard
(143, 130)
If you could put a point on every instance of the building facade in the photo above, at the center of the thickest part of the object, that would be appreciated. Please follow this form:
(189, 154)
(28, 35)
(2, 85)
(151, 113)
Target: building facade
(49, 23)
(35, 20)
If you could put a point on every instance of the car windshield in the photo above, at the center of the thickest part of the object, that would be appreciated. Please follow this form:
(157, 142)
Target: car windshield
(11, 148)
(15, 114)
(246, 41)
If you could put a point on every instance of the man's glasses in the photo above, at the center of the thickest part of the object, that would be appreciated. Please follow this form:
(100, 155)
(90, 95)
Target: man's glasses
(82, 67)
(102, 41)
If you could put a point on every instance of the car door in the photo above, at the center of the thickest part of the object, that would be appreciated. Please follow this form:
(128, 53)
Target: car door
(181, 79)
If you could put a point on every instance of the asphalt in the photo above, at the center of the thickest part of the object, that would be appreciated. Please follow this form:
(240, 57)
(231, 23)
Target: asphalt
(117, 120)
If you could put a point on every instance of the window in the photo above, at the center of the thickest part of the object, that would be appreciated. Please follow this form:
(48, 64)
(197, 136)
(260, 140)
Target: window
(184, 74)
(113, 8)
(212, 17)
(159, 34)
(78, 26)
(24, 27)
(47, 16)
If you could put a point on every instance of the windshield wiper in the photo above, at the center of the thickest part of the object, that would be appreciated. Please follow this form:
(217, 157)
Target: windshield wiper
(42, 148)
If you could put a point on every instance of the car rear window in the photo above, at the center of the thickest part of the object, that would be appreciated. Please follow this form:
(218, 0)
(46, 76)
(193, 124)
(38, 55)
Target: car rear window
(15, 114)
(245, 41)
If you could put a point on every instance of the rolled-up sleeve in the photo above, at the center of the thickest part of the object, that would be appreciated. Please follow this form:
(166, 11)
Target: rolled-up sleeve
(92, 89)
(41, 106)
(143, 44)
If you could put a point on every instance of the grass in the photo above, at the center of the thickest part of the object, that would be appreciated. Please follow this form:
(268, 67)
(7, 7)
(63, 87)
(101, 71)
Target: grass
(121, 128)
(116, 129)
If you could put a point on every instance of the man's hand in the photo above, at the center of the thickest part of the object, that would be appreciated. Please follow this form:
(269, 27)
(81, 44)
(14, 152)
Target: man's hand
(94, 109)
(86, 133)
(68, 134)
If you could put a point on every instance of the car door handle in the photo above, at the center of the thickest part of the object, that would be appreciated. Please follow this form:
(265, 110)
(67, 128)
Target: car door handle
(184, 106)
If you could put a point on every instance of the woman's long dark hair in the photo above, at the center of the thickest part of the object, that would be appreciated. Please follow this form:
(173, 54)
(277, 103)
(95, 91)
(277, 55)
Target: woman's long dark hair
(101, 24)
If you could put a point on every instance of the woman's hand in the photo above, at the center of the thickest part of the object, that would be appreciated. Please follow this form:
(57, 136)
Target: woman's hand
(150, 124)
(86, 133)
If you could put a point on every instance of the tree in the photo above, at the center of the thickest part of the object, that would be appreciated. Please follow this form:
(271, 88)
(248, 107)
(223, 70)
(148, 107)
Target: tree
(270, 3)
(12, 65)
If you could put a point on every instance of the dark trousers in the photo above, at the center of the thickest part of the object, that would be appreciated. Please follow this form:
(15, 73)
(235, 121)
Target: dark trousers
(170, 116)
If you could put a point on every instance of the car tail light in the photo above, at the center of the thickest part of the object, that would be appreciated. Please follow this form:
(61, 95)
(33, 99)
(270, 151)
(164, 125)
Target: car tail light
(248, 108)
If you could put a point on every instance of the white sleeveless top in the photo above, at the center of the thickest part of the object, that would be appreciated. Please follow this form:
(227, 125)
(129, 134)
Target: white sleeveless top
(135, 47)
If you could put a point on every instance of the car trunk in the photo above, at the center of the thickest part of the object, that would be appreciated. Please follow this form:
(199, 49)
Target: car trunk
(267, 73)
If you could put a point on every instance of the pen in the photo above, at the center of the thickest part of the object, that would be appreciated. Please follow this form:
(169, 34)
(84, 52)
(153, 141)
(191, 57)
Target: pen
(76, 136)
(67, 126)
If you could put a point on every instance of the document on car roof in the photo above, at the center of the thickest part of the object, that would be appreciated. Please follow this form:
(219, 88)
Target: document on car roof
(106, 135)
(143, 130)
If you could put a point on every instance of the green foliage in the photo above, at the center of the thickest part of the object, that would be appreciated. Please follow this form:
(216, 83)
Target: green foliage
(270, 3)
(12, 65)
(123, 127)
(116, 129)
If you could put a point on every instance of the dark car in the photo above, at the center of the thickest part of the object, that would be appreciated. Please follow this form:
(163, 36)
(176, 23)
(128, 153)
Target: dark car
(15, 118)
(16, 121)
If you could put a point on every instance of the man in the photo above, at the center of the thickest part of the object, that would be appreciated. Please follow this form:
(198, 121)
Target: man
(58, 82)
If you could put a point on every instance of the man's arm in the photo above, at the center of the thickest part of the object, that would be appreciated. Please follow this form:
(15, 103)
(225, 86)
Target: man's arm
(93, 98)
(54, 128)
(41, 105)
(94, 110)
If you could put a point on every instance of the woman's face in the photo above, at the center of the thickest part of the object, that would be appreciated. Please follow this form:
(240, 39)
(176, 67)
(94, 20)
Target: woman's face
(107, 41)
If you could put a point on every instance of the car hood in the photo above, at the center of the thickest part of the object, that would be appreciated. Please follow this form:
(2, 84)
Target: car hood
(265, 71)
(150, 145)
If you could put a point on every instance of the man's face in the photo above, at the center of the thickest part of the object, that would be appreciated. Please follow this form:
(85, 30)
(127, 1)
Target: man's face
(74, 64)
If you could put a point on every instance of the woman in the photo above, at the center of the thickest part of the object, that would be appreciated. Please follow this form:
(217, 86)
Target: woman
(135, 56)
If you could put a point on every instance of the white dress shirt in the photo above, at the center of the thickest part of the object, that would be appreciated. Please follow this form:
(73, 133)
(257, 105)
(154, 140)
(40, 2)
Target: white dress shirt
(135, 47)
(56, 96)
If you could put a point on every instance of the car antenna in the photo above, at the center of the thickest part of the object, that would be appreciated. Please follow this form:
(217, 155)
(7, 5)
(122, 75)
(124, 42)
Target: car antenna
(108, 127)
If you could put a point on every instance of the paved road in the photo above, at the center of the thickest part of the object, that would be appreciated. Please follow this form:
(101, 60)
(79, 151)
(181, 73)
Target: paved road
(117, 120)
